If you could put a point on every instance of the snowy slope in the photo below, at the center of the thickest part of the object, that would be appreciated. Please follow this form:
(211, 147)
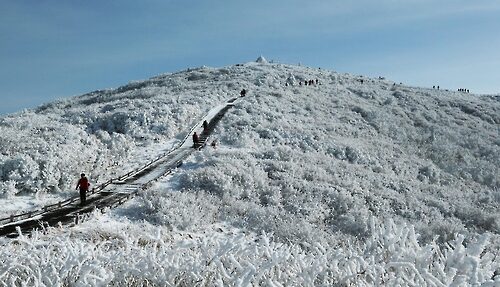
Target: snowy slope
(351, 180)
(100, 132)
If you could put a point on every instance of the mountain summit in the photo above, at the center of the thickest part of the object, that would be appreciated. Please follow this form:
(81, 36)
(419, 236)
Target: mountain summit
(308, 160)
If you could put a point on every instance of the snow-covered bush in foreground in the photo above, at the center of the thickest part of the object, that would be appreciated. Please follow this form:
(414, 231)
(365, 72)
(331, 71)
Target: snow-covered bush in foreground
(117, 254)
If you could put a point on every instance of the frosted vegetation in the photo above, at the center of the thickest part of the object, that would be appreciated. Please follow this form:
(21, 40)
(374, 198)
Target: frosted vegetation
(352, 181)
(43, 149)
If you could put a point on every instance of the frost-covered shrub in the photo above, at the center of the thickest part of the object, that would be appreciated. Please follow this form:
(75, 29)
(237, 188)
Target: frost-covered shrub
(8, 188)
(364, 93)
(226, 180)
(115, 254)
(441, 231)
(196, 76)
(429, 173)
(476, 218)
(468, 162)
(23, 170)
(398, 95)
(369, 116)
(186, 211)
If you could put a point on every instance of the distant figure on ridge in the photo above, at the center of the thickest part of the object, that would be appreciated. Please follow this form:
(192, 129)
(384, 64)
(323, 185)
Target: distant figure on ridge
(83, 184)
(243, 92)
(205, 126)
(195, 139)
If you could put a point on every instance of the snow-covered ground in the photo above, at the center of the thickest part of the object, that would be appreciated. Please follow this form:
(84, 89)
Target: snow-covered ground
(349, 181)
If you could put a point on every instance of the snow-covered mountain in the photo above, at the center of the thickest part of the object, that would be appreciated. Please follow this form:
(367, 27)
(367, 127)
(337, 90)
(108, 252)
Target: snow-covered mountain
(346, 180)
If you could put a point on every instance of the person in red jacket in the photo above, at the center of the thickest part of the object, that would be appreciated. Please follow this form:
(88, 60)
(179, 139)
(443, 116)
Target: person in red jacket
(83, 184)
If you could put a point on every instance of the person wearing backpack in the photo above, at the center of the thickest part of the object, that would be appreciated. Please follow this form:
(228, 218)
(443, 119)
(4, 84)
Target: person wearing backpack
(83, 184)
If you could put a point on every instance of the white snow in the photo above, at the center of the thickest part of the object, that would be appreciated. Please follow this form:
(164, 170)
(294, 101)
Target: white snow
(341, 182)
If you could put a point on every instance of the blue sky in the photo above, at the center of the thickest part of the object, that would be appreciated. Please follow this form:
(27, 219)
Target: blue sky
(56, 49)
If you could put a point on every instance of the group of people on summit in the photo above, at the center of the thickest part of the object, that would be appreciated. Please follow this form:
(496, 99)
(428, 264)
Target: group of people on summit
(459, 90)
(309, 82)
(305, 83)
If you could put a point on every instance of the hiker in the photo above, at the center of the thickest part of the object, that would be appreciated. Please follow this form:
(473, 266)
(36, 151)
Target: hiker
(243, 92)
(205, 126)
(195, 139)
(214, 144)
(83, 184)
